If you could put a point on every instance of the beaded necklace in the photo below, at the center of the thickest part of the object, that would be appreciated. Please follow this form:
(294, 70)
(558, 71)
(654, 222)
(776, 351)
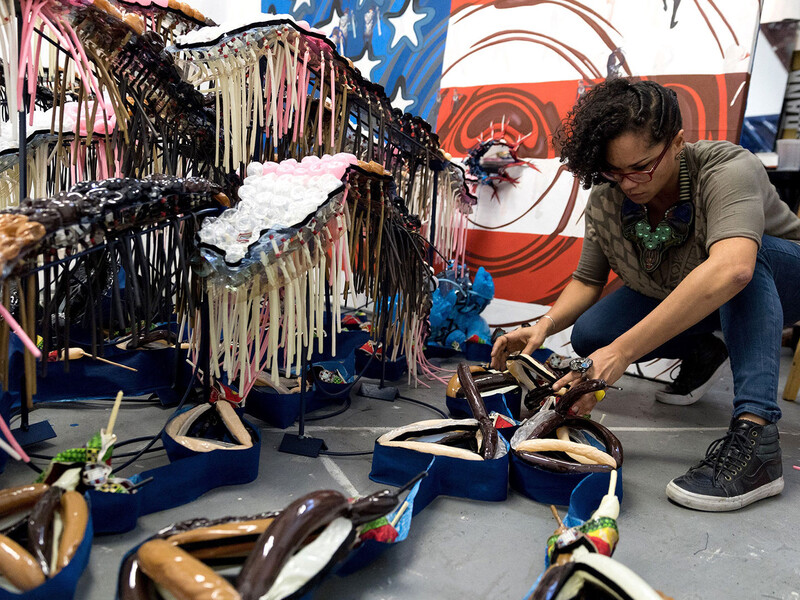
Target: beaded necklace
(673, 230)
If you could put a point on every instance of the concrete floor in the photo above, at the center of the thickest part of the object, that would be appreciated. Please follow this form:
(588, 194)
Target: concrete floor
(468, 549)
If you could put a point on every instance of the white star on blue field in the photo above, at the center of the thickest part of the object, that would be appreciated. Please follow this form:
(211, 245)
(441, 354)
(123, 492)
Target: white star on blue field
(398, 44)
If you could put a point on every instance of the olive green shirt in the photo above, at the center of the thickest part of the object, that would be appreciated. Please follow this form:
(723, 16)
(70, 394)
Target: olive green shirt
(732, 196)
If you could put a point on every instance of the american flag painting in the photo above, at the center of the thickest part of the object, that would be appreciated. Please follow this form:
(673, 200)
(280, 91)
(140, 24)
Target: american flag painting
(398, 44)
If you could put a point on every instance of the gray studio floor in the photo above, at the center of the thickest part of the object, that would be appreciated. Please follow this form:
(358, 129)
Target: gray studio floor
(467, 549)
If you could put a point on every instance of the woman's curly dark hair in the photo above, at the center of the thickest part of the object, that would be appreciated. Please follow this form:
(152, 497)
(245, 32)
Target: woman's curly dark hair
(607, 111)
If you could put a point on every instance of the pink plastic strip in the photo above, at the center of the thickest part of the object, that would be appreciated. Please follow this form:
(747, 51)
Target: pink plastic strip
(15, 327)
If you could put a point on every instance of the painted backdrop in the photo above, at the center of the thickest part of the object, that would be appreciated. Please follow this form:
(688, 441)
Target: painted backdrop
(396, 43)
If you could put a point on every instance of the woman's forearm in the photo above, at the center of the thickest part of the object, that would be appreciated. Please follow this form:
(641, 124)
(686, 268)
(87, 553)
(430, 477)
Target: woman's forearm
(710, 285)
(576, 299)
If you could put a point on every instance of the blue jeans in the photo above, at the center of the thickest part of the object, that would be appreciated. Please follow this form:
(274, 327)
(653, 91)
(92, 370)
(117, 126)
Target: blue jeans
(751, 323)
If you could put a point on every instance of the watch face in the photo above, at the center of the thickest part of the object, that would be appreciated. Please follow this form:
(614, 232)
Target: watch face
(580, 364)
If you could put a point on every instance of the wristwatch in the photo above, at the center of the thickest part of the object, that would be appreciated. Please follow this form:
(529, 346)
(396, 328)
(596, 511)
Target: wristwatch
(580, 365)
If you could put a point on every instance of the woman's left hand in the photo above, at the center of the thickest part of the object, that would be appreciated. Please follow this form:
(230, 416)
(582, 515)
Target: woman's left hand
(608, 363)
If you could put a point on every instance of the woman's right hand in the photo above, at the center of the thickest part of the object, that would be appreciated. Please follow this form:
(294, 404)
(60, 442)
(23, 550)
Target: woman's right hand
(524, 339)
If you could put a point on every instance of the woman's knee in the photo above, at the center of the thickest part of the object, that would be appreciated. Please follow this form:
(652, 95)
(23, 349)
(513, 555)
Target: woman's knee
(587, 336)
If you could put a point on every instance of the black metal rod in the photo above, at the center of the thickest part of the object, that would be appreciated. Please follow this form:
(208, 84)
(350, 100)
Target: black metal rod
(23, 131)
(23, 157)
(301, 425)
(384, 349)
(52, 41)
(23, 402)
(433, 216)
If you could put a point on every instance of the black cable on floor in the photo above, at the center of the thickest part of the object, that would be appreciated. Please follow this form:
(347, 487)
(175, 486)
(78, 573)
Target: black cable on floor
(158, 435)
(407, 399)
(143, 438)
(40, 456)
(347, 403)
(425, 404)
(123, 455)
(140, 452)
(33, 466)
(83, 403)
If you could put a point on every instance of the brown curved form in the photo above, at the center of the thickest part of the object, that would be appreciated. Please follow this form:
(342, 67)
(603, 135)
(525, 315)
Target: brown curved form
(226, 537)
(366, 509)
(181, 574)
(132, 583)
(602, 433)
(221, 532)
(589, 454)
(284, 536)
(239, 537)
(485, 381)
(23, 496)
(40, 527)
(576, 390)
(557, 465)
(453, 385)
(490, 436)
(75, 516)
(552, 581)
(18, 566)
(561, 418)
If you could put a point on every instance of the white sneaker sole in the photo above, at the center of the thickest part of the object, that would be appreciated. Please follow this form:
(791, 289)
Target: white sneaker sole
(715, 504)
(684, 400)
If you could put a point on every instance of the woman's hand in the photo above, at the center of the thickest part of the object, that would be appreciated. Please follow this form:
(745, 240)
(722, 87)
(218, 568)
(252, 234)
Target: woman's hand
(608, 363)
(524, 339)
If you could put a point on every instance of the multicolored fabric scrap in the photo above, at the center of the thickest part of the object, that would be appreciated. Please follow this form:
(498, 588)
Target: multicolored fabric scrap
(94, 462)
(601, 534)
(379, 530)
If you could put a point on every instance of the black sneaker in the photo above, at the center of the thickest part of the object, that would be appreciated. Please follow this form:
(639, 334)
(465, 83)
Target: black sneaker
(739, 469)
(699, 370)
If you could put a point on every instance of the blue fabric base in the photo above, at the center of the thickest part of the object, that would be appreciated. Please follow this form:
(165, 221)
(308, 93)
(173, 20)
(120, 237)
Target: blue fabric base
(373, 370)
(188, 476)
(477, 480)
(62, 586)
(584, 500)
(478, 352)
(282, 410)
(364, 554)
(507, 404)
(346, 344)
(88, 378)
(586, 497)
(557, 488)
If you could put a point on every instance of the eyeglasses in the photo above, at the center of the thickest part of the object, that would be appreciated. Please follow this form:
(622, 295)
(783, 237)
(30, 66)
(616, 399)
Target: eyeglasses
(637, 176)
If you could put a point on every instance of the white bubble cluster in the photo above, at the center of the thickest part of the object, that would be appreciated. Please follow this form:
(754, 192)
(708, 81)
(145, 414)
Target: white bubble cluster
(274, 196)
